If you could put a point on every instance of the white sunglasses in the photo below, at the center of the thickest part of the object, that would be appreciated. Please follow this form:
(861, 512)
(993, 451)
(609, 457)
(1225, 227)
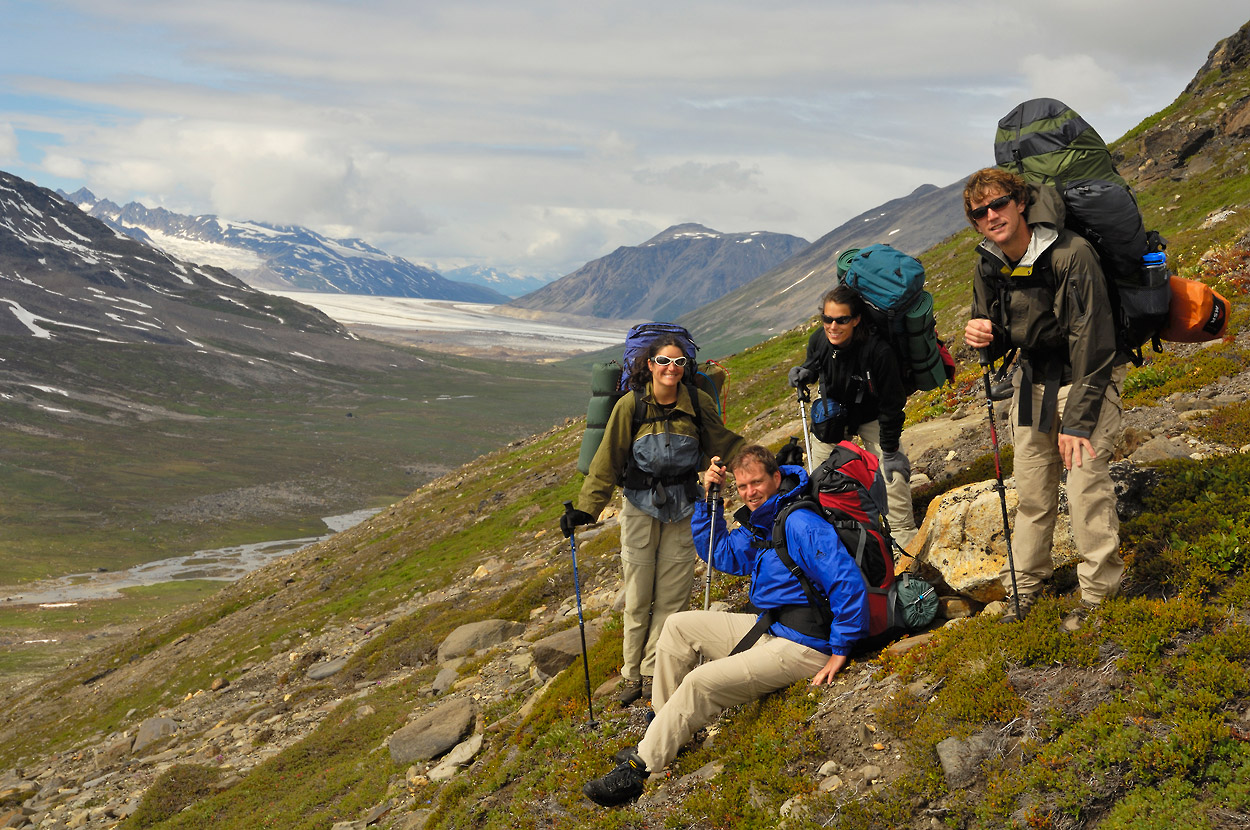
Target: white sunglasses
(664, 360)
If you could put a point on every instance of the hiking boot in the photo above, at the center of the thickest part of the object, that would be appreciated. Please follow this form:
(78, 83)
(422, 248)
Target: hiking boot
(1026, 602)
(646, 688)
(1078, 617)
(629, 691)
(621, 785)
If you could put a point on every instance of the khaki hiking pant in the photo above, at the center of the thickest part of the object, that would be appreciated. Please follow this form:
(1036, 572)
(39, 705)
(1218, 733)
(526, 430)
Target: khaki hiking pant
(897, 489)
(688, 696)
(1091, 499)
(657, 574)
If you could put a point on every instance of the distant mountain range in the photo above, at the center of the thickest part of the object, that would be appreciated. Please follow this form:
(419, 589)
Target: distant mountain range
(672, 273)
(67, 277)
(788, 294)
(284, 257)
(510, 285)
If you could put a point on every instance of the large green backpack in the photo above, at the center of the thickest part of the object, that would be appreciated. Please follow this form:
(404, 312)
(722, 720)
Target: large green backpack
(1046, 142)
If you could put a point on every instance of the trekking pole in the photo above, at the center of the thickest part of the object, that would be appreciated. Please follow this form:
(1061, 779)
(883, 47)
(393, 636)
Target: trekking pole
(714, 500)
(581, 622)
(986, 366)
(807, 437)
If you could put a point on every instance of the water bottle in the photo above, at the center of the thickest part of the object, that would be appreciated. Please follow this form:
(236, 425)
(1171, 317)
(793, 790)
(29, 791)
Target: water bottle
(1154, 269)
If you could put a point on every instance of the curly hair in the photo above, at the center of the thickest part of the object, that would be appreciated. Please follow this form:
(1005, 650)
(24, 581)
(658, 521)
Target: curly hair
(989, 179)
(640, 375)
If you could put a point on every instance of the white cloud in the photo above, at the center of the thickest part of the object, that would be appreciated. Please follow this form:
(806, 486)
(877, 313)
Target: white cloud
(8, 143)
(543, 134)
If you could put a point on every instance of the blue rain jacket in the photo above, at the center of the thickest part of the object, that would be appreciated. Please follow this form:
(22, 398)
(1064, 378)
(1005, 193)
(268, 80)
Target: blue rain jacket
(815, 547)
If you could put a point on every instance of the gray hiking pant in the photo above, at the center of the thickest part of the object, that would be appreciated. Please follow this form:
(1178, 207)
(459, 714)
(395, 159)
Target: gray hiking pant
(657, 574)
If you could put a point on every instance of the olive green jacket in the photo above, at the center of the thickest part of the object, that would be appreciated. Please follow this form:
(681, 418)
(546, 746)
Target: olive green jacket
(668, 449)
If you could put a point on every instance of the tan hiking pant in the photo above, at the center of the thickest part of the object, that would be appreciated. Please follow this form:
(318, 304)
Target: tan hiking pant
(657, 574)
(1091, 499)
(688, 696)
(897, 489)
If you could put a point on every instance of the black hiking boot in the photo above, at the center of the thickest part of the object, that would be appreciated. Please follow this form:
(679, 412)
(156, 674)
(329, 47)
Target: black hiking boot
(620, 786)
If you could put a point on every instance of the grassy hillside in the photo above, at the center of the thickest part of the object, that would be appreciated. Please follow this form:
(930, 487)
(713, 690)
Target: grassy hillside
(1157, 688)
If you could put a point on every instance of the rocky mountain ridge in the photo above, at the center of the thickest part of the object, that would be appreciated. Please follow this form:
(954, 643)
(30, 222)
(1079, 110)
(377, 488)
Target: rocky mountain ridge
(282, 257)
(510, 285)
(676, 271)
(67, 276)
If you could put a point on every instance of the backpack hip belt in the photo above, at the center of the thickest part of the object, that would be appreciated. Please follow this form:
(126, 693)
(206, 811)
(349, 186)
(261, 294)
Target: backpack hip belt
(636, 479)
(801, 618)
(1052, 380)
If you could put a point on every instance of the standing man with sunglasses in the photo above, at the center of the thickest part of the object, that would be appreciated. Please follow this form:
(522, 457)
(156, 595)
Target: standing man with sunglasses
(862, 393)
(1040, 288)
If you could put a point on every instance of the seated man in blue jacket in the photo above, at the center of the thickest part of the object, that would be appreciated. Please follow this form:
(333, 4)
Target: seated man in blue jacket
(744, 656)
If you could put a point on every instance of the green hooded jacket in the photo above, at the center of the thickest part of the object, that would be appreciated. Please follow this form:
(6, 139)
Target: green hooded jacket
(1054, 306)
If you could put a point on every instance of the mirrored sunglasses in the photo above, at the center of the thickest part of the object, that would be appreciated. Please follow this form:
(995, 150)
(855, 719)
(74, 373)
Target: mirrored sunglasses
(664, 360)
(997, 205)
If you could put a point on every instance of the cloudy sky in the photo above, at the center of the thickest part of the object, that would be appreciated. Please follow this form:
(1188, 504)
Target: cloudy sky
(534, 136)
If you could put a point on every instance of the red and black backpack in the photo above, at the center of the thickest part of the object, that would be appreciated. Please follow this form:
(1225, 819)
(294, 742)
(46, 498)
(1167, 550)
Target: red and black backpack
(848, 492)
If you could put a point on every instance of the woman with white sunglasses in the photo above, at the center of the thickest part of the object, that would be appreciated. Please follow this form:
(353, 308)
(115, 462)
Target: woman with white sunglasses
(657, 440)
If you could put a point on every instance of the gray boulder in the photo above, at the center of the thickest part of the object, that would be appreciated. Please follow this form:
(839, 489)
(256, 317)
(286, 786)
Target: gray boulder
(443, 681)
(556, 653)
(1160, 449)
(472, 637)
(961, 760)
(320, 671)
(152, 730)
(433, 733)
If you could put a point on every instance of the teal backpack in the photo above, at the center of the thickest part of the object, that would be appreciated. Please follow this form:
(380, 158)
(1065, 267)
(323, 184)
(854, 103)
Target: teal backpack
(900, 311)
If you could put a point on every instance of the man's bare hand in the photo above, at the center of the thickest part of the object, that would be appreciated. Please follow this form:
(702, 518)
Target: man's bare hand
(1071, 447)
(831, 667)
(715, 474)
(978, 333)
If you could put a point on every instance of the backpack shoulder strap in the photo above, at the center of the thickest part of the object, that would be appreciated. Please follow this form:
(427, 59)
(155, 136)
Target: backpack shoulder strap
(815, 598)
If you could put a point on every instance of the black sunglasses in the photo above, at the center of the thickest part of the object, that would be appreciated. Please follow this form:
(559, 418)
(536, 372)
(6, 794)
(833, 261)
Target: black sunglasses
(998, 204)
(664, 360)
(841, 321)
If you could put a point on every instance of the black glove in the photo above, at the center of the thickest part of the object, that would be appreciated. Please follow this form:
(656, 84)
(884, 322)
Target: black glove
(572, 518)
(801, 376)
(895, 462)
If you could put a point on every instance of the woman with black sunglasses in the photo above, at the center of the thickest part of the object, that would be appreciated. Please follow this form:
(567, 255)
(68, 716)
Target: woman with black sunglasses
(861, 393)
(657, 440)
